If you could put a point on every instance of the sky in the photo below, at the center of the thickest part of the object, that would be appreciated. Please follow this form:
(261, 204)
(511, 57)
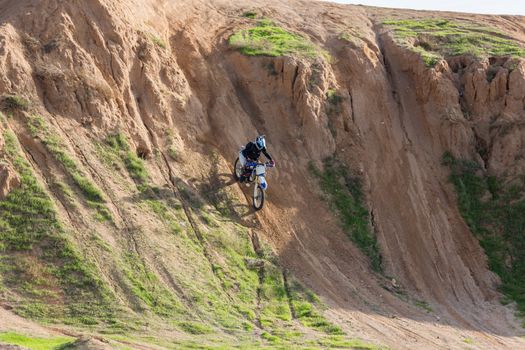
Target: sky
(508, 7)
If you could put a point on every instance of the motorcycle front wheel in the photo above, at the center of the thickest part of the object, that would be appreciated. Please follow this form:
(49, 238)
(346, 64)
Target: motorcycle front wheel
(258, 197)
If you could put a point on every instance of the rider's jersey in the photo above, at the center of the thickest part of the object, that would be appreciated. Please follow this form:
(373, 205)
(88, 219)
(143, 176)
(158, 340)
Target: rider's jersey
(253, 153)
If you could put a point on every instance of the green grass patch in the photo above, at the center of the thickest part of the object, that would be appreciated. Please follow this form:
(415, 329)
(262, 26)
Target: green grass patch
(65, 190)
(268, 39)
(57, 148)
(195, 327)
(434, 39)
(158, 41)
(333, 108)
(174, 154)
(94, 197)
(250, 14)
(146, 286)
(273, 339)
(275, 306)
(224, 295)
(102, 212)
(35, 343)
(88, 188)
(423, 305)
(37, 261)
(333, 98)
(493, 210)
(339, 342)
(310, 317)
(308, 307)
(351, 36)
(135, 166)
(118, 145)
(468, 341)
(429, 58)
(164, 213)
(97, 239)
(345, 196)
(346, 36)
(14, 103)
(232, 243)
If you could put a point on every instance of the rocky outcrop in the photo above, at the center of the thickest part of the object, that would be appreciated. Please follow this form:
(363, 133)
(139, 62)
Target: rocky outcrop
(478, 105)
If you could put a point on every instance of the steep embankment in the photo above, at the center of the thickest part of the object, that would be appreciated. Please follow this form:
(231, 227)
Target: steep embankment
(120, 218)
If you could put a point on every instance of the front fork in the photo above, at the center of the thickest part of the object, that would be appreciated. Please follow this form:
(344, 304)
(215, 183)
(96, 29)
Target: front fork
(261, 180)
(256, 184)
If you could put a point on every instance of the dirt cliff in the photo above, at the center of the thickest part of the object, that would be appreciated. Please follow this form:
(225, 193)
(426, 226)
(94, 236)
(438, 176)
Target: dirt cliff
(120, 124)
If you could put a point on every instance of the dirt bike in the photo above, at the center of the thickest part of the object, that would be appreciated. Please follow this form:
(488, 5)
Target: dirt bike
(257, 176)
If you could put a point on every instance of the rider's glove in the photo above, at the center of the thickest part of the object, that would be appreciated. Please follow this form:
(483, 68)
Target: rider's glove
(271, 163)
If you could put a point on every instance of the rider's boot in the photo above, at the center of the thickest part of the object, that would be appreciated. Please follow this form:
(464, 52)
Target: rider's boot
(244, 176)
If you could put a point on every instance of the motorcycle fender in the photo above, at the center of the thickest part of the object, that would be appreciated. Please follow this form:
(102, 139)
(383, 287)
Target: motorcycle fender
(263, 183)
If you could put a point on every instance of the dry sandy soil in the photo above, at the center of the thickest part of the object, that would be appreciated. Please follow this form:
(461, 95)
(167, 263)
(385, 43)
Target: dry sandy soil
(96, 73)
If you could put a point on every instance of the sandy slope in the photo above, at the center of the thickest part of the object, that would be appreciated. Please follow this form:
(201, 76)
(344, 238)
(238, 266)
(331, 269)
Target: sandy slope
(398, 120)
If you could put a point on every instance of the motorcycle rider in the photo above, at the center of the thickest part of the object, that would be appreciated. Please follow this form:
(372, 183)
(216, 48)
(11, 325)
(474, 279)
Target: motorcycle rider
(251, 153)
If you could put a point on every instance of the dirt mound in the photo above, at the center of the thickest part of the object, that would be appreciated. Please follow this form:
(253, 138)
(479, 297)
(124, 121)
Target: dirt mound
(87, 343)
(124, 118)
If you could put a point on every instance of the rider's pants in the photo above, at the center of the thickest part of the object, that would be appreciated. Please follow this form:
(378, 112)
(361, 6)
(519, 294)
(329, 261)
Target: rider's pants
(242, 159)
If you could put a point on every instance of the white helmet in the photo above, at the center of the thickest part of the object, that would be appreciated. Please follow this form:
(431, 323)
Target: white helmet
(260, 142)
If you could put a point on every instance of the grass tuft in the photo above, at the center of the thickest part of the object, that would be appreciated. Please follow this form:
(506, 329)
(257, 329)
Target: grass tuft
(146, 286)
(311, 318)
(89, 189)
(195, 327)
(423, 305)
(250, 14)
(119, 146)
(468, 340)
(339, 342)
(347, 200)
(493, 210)
(14, 102)
(429, 58)
(37, 128)
(164, 213)
(267, 39)
(34, 343)
(333, 108)
(159, 42)
(135, 166)
(435, 39)
(174, 154)
(333, 98)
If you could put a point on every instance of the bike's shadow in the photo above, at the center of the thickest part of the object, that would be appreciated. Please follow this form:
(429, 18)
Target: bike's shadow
(240, 210)
(224, 180)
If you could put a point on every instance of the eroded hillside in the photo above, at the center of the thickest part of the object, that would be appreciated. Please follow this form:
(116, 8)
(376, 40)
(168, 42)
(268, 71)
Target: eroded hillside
(399, 142)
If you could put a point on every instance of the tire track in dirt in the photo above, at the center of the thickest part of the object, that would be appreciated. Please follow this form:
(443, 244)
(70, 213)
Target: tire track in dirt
(196, 230)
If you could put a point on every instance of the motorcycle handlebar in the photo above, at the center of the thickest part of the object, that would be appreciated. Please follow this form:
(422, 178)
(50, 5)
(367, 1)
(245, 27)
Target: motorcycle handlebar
(267, 164)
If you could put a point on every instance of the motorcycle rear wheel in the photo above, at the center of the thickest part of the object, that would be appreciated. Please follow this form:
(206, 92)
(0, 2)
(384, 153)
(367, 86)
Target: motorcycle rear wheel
(237, 169)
